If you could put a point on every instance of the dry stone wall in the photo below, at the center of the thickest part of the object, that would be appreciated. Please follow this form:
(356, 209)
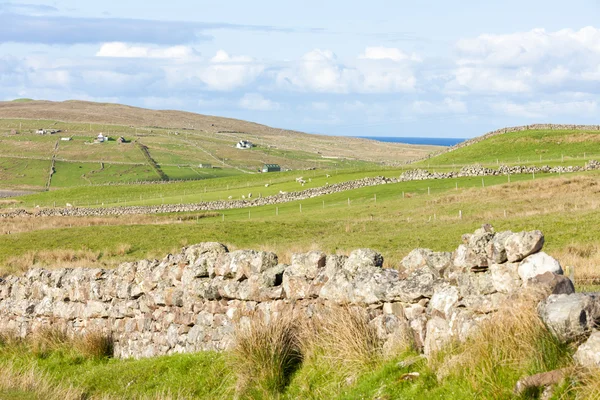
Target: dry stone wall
(193, 300)
(284, 197)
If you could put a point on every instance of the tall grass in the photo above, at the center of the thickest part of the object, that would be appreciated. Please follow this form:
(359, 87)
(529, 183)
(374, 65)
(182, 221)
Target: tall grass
(26, 381)
(343, 338)
(265, 355)
(512, 345)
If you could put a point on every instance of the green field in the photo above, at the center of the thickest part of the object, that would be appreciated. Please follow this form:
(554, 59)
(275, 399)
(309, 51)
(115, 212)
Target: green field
(23, 173)
(178, 154)
(392, 219)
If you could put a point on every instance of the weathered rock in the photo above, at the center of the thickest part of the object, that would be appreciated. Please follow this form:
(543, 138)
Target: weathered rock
(416, 259)
(361, 259)
(569, 316)
(549, 283)
(424, 257)
(444, 300)
(538, 264)
(438, 334)
(496, 248)
(522, 244)
(416, 286)
(588, 353)
(505, 277)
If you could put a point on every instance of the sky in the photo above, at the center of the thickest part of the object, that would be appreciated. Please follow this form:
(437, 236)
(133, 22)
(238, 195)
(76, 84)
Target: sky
(338, 67)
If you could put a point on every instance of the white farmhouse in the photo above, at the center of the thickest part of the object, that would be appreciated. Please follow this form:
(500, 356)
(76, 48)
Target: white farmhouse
(101, 138)
(244, 144)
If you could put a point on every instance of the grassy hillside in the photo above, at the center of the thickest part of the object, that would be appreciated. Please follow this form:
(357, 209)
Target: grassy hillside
(547, 147)
(177, 141)
(391, 218)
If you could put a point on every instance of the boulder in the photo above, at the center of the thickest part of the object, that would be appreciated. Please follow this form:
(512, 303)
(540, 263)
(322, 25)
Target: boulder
(569, 316)
(588, 354)
(538, 264)
(522, 244)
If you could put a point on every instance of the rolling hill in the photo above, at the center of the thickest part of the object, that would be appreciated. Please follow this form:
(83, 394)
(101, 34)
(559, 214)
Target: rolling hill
(161, 145)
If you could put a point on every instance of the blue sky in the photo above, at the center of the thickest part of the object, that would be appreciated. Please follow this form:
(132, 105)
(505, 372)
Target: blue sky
(376, 68)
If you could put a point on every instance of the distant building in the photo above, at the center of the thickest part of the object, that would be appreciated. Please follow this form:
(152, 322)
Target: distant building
(205, 165)
(65, 139)
(244, 144)
(101, 138)
(41, 131)
(271, 168)
(121, 139)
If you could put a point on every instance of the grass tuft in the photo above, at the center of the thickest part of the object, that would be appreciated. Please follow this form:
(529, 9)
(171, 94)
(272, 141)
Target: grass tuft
(94, 345)
(265, 355)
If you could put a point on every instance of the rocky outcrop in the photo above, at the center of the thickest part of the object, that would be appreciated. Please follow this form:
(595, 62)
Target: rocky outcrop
(193, 300)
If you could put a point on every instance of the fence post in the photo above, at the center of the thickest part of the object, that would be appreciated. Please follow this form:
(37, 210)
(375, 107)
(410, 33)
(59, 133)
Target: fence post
(459, 214)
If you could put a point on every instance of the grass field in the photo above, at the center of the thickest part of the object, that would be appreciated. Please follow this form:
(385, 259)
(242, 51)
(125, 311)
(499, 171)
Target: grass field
(392, 219)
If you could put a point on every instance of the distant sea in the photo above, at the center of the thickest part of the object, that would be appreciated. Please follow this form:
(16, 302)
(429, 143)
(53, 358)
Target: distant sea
(416, 140)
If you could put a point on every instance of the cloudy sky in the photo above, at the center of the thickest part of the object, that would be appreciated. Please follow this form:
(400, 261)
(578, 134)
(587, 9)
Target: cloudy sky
(346, 67)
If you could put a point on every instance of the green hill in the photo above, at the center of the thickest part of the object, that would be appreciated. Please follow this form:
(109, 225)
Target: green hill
(160, 145)
(530, 146)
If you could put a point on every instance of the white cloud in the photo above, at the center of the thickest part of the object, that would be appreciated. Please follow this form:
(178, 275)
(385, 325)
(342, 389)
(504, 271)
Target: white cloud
(321, 71)
(226, 72)
(388, 53)
(448, 105)
(256, 102)
(221, 73)
(546, 109)
(124, 50)
(531, 61)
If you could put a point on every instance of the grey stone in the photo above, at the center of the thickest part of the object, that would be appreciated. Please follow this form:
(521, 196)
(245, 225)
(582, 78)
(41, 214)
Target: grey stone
(538, 264)
(522, 244)
(569, 316)
(588, 353)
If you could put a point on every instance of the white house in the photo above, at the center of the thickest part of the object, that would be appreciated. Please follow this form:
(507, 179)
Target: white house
(101, 138)
(41, 131)
(65, 139)
(244, 144)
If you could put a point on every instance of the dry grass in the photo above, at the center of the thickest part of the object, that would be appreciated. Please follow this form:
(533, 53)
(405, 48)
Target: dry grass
(29, 224)
(584, 259)
(46, 340)
(588, 387)
(30, 380)
(94, 345)
(514, 344)
(60, 258)
(343, 338)
(266, 354)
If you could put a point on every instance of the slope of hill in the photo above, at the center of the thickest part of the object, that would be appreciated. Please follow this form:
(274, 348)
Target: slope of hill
(533, 144)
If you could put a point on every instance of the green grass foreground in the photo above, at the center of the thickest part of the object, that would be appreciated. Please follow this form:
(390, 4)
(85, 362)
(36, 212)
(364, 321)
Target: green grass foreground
(338, 362)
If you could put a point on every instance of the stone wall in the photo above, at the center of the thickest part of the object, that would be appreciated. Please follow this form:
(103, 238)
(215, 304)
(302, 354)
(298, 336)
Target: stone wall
(284, 197)
(193, 300)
